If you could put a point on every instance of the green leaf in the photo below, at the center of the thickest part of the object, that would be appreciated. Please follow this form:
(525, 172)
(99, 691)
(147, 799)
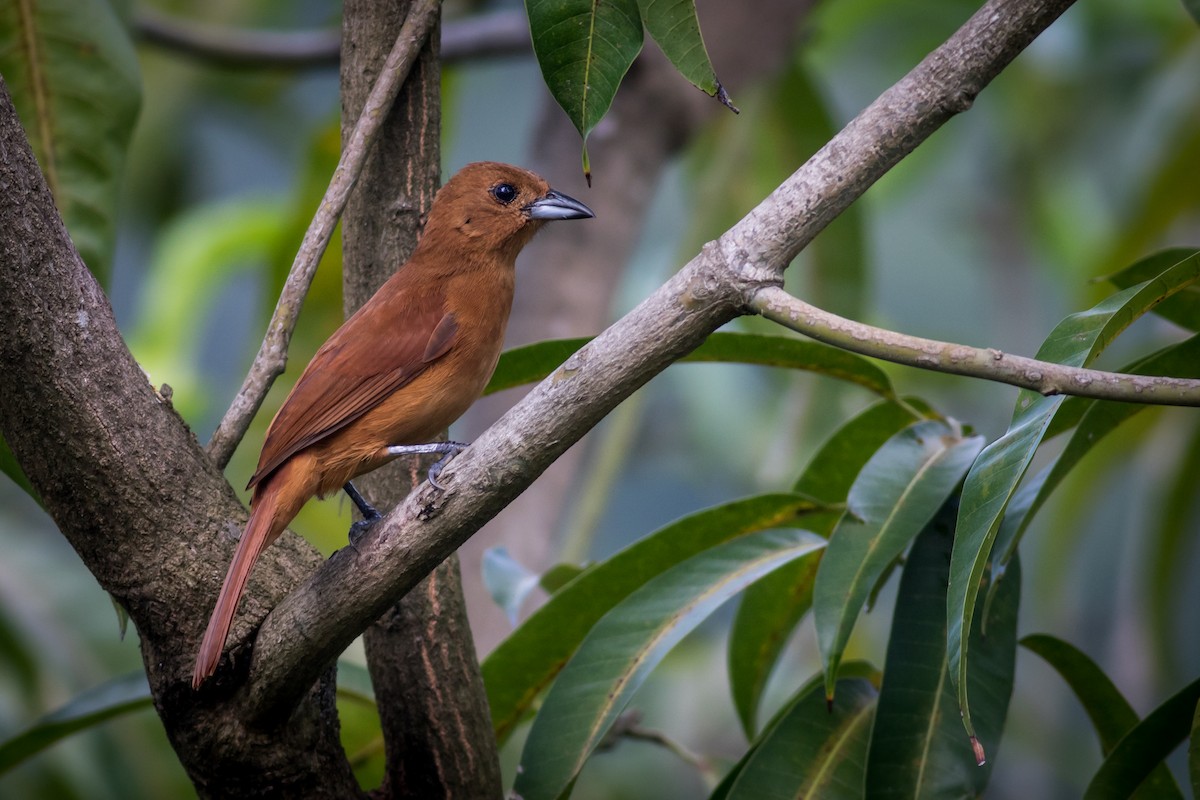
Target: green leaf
(1183, 308)
(918, 748)
(628, 642)
(1106, 707)
(674, 27)
(74, 79)
(86, 710)
(584, 49)
(770, 610)
(833, 468)
(1097, 421)
(559, 576)
(895, 495)
(993, 480)
(1146, 746)
(525, 663)
(535, 362)
(812, 750)
(10, 467)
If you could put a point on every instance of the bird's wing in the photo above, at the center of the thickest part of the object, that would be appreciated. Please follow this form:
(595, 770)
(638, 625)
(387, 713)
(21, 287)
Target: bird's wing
(364, 362)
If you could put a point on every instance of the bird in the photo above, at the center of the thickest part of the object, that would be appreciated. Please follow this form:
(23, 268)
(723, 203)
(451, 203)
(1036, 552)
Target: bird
(403, 367)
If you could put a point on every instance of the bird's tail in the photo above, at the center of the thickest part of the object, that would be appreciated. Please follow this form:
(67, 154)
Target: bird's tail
(260, 531)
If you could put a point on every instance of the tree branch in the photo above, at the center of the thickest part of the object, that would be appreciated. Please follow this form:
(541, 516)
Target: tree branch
(714, 287)
(272, 355)
(1043, 377)
(481, 36)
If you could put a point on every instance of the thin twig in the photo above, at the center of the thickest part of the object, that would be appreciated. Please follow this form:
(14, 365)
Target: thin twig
(504, 33)
(272, 356)
(957, 359)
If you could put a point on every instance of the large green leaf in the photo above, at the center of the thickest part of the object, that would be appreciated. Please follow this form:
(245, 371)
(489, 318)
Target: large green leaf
(895, 495)
(674, 27)
(628, 642)
(993, 480)
(73, 75)
(123, 695)
(1097, 421)
(1145, 747)
(525, 663)
(768, 613)
(918, 748)
(1109, 711)
(772, 608)
(584, 49)
(86, 710)
(1184, 307)
(534, 362)
(812, 750)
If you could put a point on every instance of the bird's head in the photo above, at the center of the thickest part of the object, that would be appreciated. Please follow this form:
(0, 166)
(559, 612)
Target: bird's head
(493, 207)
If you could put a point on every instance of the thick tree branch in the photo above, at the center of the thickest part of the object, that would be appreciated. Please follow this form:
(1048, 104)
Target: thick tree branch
(132, 491)
(957, 359)
(717, 285)
(432, 707)
(272, 355)
(501, 34)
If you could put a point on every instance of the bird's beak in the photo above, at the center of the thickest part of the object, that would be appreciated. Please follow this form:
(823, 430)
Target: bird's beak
(556, 205)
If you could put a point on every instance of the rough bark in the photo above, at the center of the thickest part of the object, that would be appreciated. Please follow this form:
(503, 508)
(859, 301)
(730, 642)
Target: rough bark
(436, 726)
(130, 488)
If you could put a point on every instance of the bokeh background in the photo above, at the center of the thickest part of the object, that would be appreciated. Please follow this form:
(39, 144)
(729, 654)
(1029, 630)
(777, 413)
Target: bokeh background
(1081, 158)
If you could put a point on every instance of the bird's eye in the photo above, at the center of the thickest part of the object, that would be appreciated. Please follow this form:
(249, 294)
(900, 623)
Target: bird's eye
(504, 192)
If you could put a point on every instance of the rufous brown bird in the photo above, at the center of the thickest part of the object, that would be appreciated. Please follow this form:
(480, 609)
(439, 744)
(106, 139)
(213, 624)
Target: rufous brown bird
(401, 369)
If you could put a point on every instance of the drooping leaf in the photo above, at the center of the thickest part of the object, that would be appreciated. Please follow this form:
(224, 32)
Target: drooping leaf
(1098, 419)
(86, 710)
(584, 49)
(894, 496)
(772, 608)
(918, 748)
(628, 642)
(1106, 707)
(1145, 746)
(525, 663)
(993, 480)
(812, 750)
(73, 75)
(674, 27)
(1182, 308)
(534, 362)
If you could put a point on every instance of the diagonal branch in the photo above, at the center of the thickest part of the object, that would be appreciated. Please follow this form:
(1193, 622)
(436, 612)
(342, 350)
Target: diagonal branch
(716, 286)
(272, 355)
(956, 359)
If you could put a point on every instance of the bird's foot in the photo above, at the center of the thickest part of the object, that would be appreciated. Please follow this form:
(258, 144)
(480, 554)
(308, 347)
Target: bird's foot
(370, 515)
(447, 450)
